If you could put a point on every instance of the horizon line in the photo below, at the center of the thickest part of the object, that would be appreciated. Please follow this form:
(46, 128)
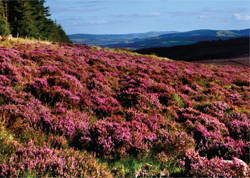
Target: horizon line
(173, 31)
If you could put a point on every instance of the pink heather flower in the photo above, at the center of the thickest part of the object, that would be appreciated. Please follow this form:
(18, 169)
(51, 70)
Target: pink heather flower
(60, 110)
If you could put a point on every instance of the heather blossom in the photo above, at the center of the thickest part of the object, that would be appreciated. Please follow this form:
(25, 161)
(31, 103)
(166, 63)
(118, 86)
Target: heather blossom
(63, 107)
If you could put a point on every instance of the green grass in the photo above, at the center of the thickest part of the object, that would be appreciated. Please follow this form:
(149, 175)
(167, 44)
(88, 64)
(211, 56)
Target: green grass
(131, 166)
(177, 98)
(151, 166)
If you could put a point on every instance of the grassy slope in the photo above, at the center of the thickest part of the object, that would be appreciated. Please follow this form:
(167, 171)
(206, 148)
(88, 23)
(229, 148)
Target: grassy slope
(72, 110)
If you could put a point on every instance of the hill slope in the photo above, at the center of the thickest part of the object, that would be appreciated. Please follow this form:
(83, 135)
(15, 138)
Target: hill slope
(63, 107)
(104, 40)
(157, 39)
(183, 38)
(221, 49)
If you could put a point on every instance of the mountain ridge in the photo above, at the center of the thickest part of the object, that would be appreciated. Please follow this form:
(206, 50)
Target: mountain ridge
(126, 34)
(156, 39)
(216, 49)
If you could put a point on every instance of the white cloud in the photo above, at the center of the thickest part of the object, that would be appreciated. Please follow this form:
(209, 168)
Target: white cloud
(242, 17)
(62, 9)
(96, 22)
(208, 12)
(90, 22)
(155, 13)
(147, 15)
(209, 16)
(136, 15)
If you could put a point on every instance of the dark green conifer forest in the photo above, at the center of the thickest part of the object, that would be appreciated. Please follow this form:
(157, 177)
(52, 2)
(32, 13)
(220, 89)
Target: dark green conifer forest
(30, 19)
(4, 27)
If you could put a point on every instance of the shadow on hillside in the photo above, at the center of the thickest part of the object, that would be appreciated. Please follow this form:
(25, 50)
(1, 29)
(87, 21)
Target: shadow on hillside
(215, 52)
(241, 61)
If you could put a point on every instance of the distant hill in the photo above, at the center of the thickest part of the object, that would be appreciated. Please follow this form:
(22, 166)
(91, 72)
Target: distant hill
(112, 39)
(220, 49)
(156, 39)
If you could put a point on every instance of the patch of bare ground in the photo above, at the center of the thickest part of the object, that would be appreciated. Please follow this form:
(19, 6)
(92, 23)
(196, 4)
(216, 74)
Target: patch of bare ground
(242, 61)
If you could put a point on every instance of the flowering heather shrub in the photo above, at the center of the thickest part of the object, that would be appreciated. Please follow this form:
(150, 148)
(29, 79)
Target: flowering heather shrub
(40, 84)
(212, 136)
(216, 167)
(238, 125)
(48, 69)
(71, 124)
(68, 82)
(59, 94)
(120, 107)
(4, 81)
(22, 117)
(8, 95)
(8, 69)
(217, 109)
(44, 161)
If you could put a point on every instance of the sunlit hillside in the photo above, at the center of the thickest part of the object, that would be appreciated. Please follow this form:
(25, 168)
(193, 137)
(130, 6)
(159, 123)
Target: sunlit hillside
(78, 111)
(157, 39)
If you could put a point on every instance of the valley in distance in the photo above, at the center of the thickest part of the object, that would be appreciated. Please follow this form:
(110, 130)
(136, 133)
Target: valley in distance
(225, 47)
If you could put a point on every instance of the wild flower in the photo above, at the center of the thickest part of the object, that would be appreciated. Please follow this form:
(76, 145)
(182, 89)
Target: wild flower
(165, 117)
(216, 167)
(4, 81)
(50, 162)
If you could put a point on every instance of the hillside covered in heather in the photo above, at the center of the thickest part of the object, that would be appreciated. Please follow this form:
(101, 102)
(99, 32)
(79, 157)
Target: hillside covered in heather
(78, 111)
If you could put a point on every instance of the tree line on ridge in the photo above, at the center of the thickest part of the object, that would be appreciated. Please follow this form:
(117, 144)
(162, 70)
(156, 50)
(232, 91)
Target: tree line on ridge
(29, 19)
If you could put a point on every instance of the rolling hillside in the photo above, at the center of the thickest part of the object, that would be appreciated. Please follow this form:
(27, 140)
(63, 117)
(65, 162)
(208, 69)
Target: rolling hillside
(78, 111)
(161, 39)
(221, 49)
(104, 40)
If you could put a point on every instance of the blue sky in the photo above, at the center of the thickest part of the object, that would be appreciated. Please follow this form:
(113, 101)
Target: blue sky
(139, 16)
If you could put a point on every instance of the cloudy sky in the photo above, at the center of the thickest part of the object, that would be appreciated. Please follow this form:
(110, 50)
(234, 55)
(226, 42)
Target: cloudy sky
(139, 16)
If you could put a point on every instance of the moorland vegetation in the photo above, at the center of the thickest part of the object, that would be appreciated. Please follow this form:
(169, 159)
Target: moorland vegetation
(77, 111)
